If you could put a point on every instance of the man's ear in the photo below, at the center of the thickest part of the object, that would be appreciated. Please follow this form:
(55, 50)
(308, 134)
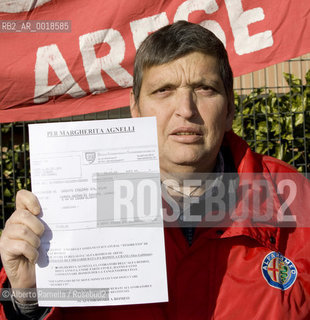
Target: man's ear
(134, 108)
(230, 113)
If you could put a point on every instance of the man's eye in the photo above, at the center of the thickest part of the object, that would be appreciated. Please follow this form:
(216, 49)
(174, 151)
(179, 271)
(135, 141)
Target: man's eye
(162, 90)
(206, 89)
(165, 89)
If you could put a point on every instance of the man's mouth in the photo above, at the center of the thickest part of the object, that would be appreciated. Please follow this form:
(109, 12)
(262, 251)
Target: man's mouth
(187, 134)
(187, 131)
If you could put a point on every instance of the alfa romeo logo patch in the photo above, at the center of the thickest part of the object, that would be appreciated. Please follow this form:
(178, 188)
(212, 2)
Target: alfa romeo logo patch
(279, 271)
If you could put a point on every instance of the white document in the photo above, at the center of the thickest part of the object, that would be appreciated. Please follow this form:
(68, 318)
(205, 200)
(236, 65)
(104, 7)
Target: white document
(99, 188)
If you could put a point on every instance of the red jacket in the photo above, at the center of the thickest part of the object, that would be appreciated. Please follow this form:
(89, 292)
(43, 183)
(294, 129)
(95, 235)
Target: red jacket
(229, 273)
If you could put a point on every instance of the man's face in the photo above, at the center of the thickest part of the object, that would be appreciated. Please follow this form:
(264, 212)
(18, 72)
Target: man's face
(188, 98)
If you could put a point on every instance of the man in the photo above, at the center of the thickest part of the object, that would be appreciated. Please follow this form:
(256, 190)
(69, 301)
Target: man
(232, 271)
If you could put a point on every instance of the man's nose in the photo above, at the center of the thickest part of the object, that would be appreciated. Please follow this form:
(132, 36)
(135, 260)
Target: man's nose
(186, 104)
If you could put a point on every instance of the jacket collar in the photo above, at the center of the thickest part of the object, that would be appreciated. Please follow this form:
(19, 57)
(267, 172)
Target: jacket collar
(254, 174)
(251, 169)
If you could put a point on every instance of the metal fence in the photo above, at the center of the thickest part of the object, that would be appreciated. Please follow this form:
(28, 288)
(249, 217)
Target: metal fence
(14, 151)
(291, 111)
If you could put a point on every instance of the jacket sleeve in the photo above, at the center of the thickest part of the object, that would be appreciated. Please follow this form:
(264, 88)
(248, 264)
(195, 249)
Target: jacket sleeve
(8, 312)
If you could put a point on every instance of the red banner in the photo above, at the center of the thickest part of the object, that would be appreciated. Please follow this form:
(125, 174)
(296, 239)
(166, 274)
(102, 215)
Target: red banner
(63, 57)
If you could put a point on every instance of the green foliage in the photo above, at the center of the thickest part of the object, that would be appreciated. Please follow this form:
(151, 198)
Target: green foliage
(277, 124)
(14, 166)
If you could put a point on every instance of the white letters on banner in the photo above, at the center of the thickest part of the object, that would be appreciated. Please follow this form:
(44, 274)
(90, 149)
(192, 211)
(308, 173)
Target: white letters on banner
(15, 6)
(142, 27)
(209, 6)
(215, 28)
(189, 6)
(51, 56)
(239, 21)
(111, 63)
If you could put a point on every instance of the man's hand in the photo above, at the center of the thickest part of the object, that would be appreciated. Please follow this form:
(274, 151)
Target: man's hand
(20, 240)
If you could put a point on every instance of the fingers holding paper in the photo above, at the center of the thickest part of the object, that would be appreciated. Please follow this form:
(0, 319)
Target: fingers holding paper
(20, 240)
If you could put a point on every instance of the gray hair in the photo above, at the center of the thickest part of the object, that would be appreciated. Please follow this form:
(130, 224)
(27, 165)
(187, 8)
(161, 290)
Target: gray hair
(175, 41)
